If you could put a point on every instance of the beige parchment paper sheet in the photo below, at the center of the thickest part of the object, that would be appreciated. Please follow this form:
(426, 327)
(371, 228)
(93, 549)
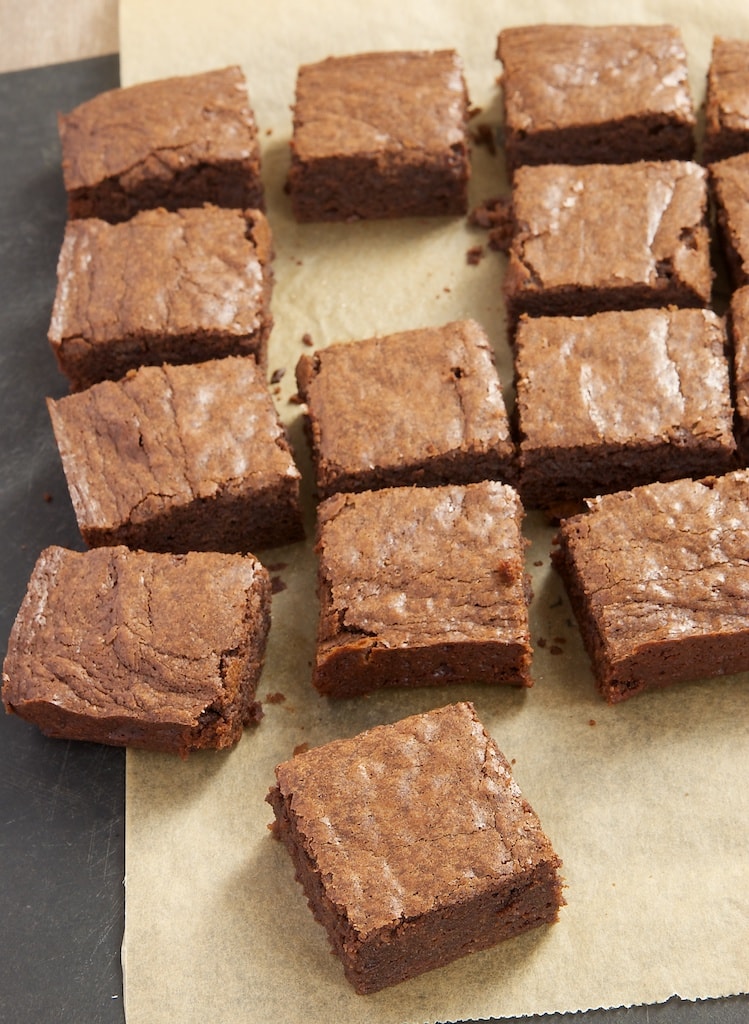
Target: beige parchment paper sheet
(647, 803)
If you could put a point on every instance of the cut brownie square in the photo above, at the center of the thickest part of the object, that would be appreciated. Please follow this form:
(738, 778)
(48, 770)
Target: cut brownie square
(421, 586)
(175, 142)
(738, 319)
(659, 581)
(180, 458)
(380, 135)
(618, 399)
(414, 845)
(727, 100)
(419, 407)
(729, 180)
(599, 237)
(581, 94)
(163, 287)
(132, 648)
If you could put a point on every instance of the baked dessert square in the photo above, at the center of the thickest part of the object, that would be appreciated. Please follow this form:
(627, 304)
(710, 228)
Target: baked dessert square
(727, 100)
(139, 649)
(583, 94)
(621, 398)
(597, 237)
(414, 845)
(729, 181)
(380, 135)
(180, 458)
(421, 586)
(738, 319)
(659, 582)
(177, 287)
(175, 142)
(418, 407)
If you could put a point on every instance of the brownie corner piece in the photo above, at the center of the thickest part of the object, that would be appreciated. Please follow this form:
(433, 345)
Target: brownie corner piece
(727, 100)
(412, 867)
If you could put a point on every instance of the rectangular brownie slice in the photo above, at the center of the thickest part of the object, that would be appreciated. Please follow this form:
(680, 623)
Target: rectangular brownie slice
(380, 135)
(658, 578)
(620, 398)
(414, 845)
(173, 143)
(727, 100)
(738, 319)
(177, 287)
(180, 458)
(599, 237)
(132, 648)
(418, 407)
(729, 182)
(421, 586)
(583, 94)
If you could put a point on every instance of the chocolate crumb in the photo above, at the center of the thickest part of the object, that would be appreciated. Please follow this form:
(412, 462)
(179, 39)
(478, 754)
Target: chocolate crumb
(541, 641)
(474, 255)
(495, 216)
(591, 721)
(277, 375)
(555, 649)
(295, 399)
(307, 339)
(484, 135)
(300, 748)
(277, 585)
(47, 497)
(275, 698)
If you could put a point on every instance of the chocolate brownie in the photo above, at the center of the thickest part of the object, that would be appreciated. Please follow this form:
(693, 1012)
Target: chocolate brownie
(581, 94)
(175, 142)
(419, 407)
(659, 581)
(738, 319)
(180, 458)
(414, 845)
(138, 649)
(599, 237)
(729, 180)
(617, 399)
(727, 100)
(163, 287)
(380, 135)
(421, 586)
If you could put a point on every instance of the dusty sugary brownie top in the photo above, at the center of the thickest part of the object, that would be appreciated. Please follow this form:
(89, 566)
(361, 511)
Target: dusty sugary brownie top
(168, 124)
(419, 565)
(407, 818)
(395, 102)
(165, 435)
(665, 560)
(727, 102)
(560, 76)
(622, 377)
(191, 271)
(112, 631)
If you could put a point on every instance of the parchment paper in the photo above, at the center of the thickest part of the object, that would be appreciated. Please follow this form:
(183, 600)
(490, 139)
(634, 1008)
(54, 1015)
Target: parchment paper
(647, 803)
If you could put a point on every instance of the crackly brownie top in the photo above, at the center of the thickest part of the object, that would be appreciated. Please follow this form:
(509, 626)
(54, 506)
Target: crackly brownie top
(665, 560)
(170, 124)
(397, 102)
(560, 76)
(407, 818)
(117, 632)
(191, 271)
(727, 102)
(609, 226)
(167, 435)
(624, 377)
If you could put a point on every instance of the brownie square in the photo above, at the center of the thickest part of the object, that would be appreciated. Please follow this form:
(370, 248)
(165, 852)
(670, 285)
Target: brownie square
(727, 100)
(421, 586)
(175, 142)
(729, 180)
(414, 845)
(618, 399)
(380, 135)
(180, 458)
(738, 319)
(419, 407)
(598, 237)
(580, 94)
(659, 581)
(138, 649)
(177, 287)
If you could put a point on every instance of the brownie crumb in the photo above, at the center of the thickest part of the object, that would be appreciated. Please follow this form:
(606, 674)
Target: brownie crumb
(277, 375)
(275, 698)
(555, 649)
(591, 721)
(47, 497)
(541, 641)
(474, 255)
(495, 216)
(277, 585)
(484, 135)
(300, 748)
(307, 339)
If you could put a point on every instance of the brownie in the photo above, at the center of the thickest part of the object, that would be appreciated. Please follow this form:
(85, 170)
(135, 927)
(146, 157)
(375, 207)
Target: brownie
(727, 100)
(581, 94)
(380, 135)
(414, 845)
(419, 407)
(177, 287)
(138, 649)
(621, 398)
(729, 181)
(174, 143)
(180, 458)
(738, 319)
(659, 581)
(597, 237)
(421, 586)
